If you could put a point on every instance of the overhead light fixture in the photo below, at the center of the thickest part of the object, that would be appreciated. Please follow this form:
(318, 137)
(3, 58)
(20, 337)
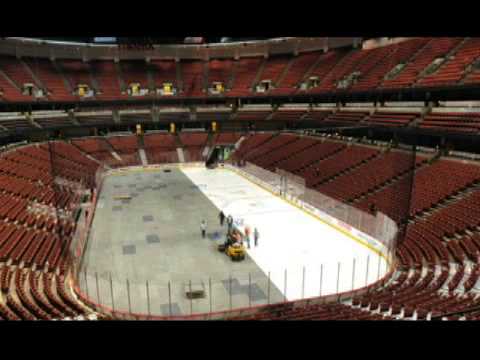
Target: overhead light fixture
(105, 40)
(193, 40)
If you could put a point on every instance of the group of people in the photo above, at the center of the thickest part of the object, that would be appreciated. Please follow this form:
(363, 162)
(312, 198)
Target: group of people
(229, 218)
(256, 234)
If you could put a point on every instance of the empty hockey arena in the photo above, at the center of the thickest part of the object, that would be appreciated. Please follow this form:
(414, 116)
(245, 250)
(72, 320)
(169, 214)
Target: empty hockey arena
(294, 178)
(146, 229)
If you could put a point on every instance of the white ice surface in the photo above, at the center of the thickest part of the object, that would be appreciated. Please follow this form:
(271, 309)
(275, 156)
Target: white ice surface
(292, 243)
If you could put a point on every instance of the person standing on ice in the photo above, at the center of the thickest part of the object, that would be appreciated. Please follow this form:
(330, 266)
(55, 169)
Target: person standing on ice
(229, 222)
(256, 235)
(222, 218)
(247, 235)
(203, 227)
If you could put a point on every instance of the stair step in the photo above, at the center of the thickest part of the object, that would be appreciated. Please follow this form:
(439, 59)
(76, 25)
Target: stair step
(93, 79)
(178, 72)
(258, 75)
(231, 78)
(115, 155)
(143, 156)
(66, 82)
(150, 79)
(283, 74)
(181, 156)
(121, 82)
(10, 81)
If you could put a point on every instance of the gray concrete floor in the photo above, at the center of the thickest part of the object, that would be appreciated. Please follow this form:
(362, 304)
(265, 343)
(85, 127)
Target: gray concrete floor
(151, 248)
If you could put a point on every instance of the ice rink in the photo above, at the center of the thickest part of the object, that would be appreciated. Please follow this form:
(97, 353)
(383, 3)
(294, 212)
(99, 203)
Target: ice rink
(304, 256)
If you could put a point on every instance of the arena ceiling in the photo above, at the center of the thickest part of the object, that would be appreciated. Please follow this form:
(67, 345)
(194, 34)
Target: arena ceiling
(149, 40)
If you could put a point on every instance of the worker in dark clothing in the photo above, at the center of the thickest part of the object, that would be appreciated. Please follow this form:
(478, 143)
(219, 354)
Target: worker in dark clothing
(256, 235)
(222, 218)
(203, 227)
(230, 239)
(229, 222)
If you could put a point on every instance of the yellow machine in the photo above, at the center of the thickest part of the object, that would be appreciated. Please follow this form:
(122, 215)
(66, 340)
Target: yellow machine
(233, 247)
(236, 253)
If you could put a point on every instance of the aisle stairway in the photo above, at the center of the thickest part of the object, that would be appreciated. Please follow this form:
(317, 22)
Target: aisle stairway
(143, 157)
(181, 156)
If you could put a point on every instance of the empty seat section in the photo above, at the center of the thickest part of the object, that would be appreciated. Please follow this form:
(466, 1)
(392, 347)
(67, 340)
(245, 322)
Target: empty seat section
(160, 148)
(209, 116)
(345, 116)
(127, 149)
(453, 69)
(193, 78)
(454, 122)
(341, 69)
(250, 143)
(314, 152)
(256, 156)
(193, 145)
(53, 121)
(8, 91)
(163, 71)
(220, 71)
(97, 148)
(324, 66)
(295, 73)
(274, 159)
(50, 78)
(245, 72)
(273, 68)
(134, 72)
(252, 115)
(394, 56)
(107, 78)
(435, 48)
(288, 115)
(392, 118)
(371, 64)
(18, 73)
(337, 163)
(370, 175)
(317, 115)
(226, 138)
(77, 72)
(431, 184)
